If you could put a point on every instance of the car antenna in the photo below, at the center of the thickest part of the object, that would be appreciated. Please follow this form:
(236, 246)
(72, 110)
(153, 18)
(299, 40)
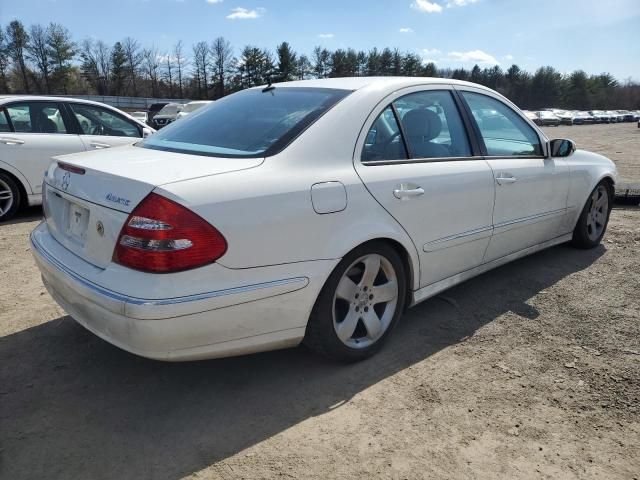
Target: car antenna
(269, 87)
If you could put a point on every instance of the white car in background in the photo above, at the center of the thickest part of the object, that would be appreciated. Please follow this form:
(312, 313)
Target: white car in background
(141, 116)
(34, 129)
(310, 211)
(192, 107)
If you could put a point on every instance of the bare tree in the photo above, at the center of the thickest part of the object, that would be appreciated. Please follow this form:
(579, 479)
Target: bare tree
(201, 60)
(221, 59)
(134, 60)
(151, 65)
(96, 64)
(169, 71)
(38, 53)
(181, 63)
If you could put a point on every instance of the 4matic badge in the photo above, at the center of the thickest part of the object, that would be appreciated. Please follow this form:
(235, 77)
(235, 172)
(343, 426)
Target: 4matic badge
(116, 199)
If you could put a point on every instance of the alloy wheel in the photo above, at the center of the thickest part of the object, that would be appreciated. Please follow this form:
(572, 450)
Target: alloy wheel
(598, 212)
(365, 301)
(6, 197)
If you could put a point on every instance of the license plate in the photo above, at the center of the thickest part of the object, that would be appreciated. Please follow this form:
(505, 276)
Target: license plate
(78, 221)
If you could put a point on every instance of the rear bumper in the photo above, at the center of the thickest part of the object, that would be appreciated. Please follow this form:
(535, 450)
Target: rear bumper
(232, 321)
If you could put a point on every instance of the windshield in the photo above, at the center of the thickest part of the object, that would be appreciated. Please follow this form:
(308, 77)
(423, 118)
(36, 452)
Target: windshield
(251, 123)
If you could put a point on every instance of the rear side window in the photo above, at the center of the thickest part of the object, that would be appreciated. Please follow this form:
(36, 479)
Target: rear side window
(36, 117)
(504, 132)
(251, 123)
(433, 126)
(94, 120)
(384, 140)
(4, 123)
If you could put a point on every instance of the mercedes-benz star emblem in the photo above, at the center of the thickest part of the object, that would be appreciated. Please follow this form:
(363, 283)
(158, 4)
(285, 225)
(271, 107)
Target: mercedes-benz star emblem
(65, 181)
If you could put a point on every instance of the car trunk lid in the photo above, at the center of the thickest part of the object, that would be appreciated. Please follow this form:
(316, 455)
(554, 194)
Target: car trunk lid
(88, 197)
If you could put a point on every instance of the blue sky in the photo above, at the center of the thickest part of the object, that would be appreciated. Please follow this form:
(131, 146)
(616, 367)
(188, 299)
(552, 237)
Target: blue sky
(594, 35)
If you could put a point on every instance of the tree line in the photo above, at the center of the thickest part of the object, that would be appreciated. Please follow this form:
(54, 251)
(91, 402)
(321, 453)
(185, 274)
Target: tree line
(47, 60)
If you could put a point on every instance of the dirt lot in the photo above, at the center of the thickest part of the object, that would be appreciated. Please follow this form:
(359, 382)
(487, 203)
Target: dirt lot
(529, 371)
(620, 142)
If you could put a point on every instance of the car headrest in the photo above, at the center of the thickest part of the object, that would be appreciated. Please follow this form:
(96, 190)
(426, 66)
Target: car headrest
(422, 123)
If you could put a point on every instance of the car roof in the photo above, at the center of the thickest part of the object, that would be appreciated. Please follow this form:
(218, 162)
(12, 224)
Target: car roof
(357, 83)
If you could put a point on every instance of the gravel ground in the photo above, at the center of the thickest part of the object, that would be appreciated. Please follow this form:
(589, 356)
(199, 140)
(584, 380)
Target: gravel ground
(529, 371)
(619, 141)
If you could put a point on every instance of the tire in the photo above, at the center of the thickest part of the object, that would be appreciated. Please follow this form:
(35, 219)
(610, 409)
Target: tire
(10, 198)
(594, 218)
(347, 302)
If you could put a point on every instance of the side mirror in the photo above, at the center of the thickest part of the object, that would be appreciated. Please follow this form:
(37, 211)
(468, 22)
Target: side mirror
(146, 132)
(562, 147)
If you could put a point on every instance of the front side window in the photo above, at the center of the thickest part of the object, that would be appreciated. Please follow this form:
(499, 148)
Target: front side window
(384, 141)
(94, 120)
(504, 132)
(36, 117)
(432, 125)
(252, 123)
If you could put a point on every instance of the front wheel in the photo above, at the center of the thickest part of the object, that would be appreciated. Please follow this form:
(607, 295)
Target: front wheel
(359, 304)
(594, 218)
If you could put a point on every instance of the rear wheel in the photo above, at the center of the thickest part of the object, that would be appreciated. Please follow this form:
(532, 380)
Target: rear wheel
(359, 305)
(9, 197)
(594, 218)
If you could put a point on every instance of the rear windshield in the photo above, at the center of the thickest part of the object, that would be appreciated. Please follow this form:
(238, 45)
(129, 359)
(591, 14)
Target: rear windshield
(251, 123)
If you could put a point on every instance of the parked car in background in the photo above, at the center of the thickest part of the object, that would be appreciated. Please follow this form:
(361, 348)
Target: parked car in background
(566, 117)
(547, 119)
(189, 245)
(192, 107)
(615, 116)
(142, 116)
(33, 129)
(168, 114)
(532, 116)
(600, 116)
(154, 108)
(583, 118)
(627, 116)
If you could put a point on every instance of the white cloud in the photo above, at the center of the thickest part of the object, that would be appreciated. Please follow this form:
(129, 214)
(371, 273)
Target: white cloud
(431, 51)
(426, 6)
(474, 56)
(460, 3)
(326, 35)
(429, 60)
(406, 30)
(214, 1)
(244, 13)
(508, 57)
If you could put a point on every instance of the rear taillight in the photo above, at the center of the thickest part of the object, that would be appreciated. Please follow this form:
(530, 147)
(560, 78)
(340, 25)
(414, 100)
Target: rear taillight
(162, 236)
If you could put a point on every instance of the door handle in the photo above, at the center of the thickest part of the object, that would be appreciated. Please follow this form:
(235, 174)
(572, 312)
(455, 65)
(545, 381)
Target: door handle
(505, 178)
(404, 192)
(99, 145)
(11, 141)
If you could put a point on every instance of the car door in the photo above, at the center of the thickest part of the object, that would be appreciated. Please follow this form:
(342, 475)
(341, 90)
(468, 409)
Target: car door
(416, 158)
(39, 130)
(103, 128)
(531, 188)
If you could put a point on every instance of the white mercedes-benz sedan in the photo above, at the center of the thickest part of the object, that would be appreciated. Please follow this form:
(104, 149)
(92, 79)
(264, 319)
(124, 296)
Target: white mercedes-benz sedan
(311, 211)
(34, 129)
